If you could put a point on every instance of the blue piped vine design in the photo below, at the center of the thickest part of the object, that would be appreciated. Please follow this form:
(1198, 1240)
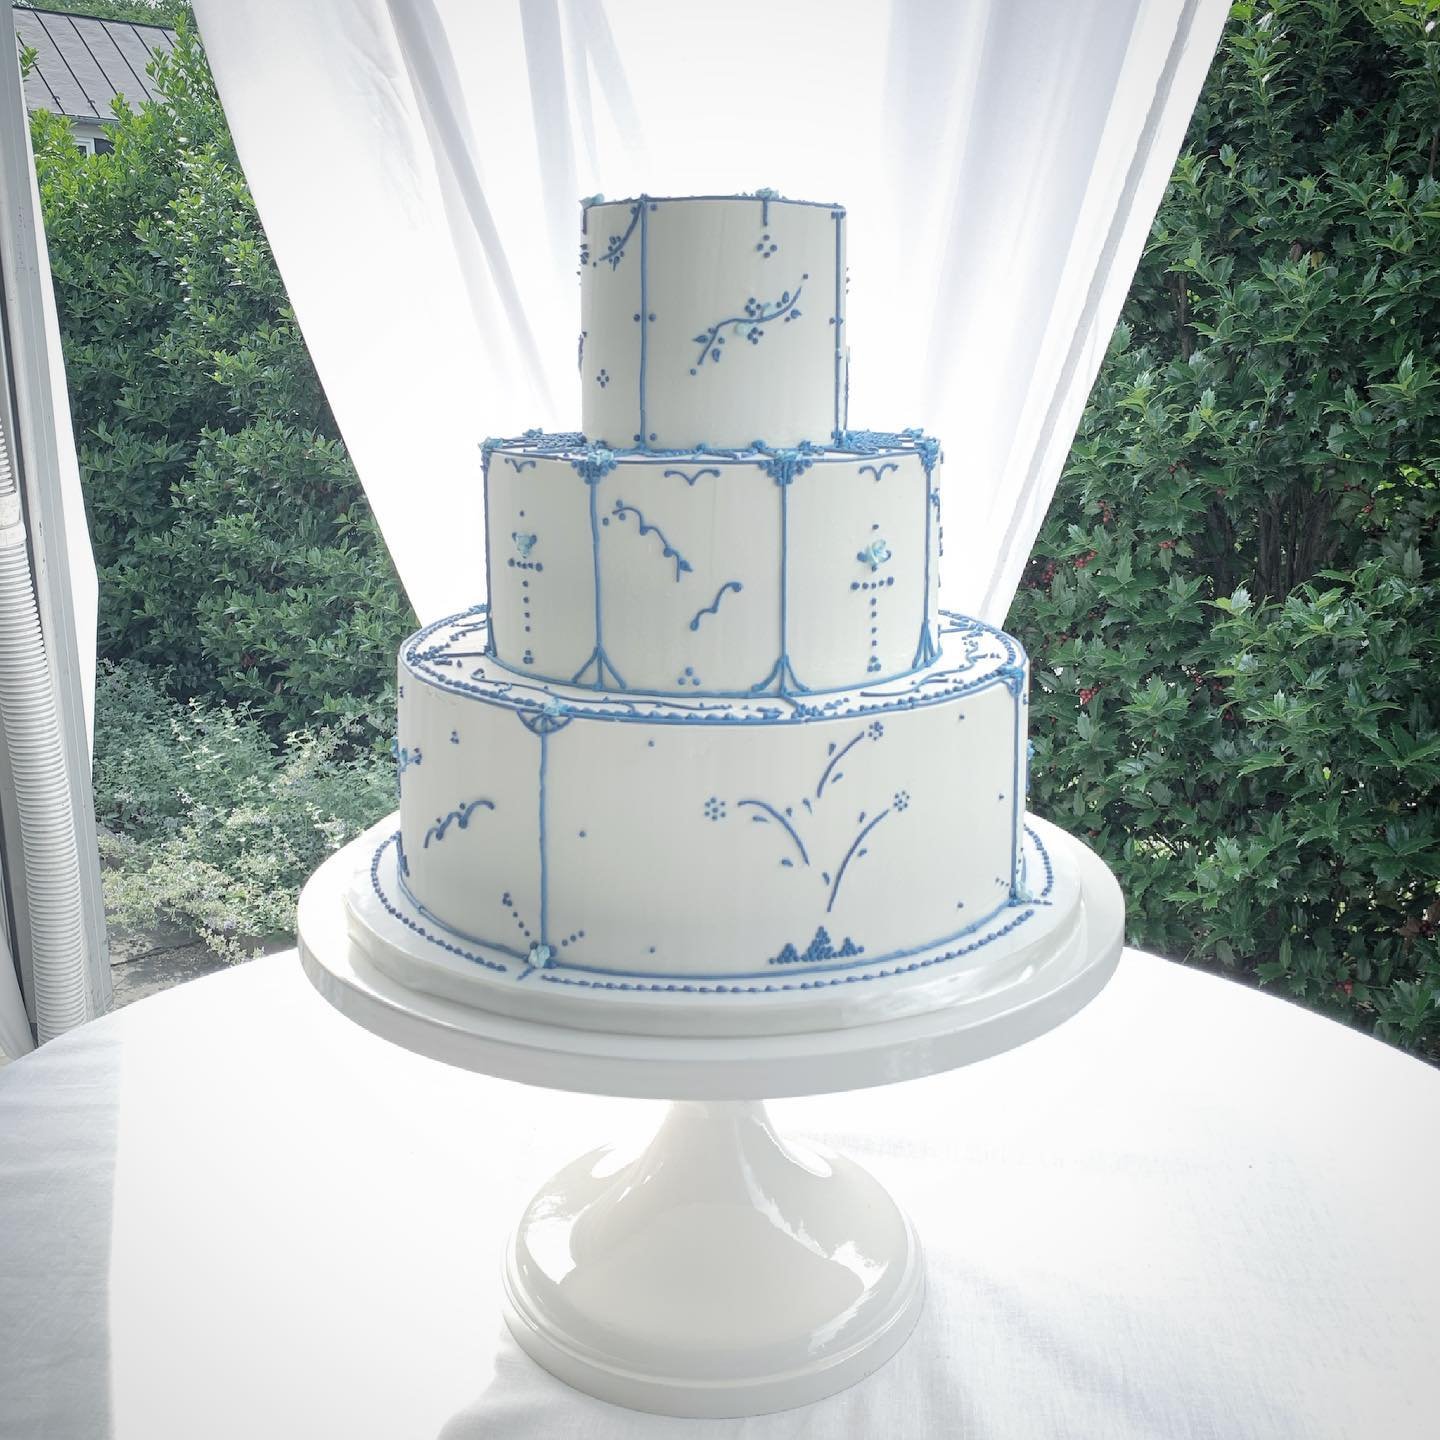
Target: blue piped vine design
(614, 251)
(713, 607)
(668, 551)
(459, 818)
(751, 323)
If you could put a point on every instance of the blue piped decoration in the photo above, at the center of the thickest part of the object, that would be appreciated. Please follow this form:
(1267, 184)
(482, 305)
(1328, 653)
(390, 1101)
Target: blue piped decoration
(821, 947)
(855, 852)
(757, 314)
(524, 543)
(459, 817)
(782, 466)
(714, 606)
(549, 718)
(594, 465)
(875, 554)
(691, 479)
(768, 813)
(614, 251)
(667, 549)
(878, 471)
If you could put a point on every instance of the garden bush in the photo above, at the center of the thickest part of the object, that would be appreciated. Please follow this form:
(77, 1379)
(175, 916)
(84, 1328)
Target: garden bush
(234, 544)
(206, 823)
(1233, 609)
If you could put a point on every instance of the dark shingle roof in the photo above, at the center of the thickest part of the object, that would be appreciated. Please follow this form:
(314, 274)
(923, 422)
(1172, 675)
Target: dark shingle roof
(83, 62)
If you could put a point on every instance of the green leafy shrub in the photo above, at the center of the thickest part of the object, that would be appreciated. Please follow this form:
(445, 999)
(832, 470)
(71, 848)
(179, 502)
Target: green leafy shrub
(1233, 609)
(206, 824)
(233, 540)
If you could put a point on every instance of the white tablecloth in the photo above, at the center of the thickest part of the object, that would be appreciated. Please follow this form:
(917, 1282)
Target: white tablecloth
(1191, 1211)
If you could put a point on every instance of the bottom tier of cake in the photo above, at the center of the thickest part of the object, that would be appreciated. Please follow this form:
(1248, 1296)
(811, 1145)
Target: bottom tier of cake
(612, 840)
(988, 969)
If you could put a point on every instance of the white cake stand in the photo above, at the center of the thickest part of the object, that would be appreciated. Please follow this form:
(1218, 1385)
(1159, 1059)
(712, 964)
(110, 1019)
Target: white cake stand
(722, 1271)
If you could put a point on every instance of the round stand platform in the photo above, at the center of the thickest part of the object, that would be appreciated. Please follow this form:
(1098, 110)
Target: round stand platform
(722, 1271)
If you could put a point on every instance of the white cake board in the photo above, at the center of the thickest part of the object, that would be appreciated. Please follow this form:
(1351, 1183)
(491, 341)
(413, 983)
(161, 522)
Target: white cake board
(722, 1272)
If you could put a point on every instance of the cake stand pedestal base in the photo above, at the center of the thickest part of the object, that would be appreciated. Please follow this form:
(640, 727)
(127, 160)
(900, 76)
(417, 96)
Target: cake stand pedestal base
(721, 1272)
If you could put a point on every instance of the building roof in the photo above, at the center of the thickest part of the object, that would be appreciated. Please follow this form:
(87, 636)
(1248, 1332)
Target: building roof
(84, 62)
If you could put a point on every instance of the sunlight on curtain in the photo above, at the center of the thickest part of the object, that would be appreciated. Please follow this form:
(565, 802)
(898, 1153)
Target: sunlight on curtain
(417, 166)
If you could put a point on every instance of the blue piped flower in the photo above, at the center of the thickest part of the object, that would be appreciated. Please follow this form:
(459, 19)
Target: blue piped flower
(875, 554)
(541, 955)
(602, 379)
(902, 800)
(596, 199)
(554, 706)
(714, 808)
(875, 729)
(523, 543)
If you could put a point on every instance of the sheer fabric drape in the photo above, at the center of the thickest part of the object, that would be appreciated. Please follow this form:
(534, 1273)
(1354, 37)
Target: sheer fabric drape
(417, 162)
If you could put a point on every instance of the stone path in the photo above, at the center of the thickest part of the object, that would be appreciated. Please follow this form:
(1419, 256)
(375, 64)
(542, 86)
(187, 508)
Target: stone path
(151, 960)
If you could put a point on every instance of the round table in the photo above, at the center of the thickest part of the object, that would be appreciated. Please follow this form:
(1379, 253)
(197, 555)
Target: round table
(1192, 1210)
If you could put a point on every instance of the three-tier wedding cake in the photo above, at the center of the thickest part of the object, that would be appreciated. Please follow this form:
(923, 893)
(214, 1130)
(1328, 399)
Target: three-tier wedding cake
(712, 759)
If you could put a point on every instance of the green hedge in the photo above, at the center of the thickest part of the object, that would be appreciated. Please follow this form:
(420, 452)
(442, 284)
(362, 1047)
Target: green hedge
(1232, 608)
(233, 541)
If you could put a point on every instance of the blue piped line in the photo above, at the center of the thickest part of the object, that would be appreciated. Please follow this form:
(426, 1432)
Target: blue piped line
(834, 761)
(782, 674)
(646, 528)
(714, 606)
(598, 658)
(838, 215)
(599, 661)
(460, 818)
(855, 845)
(879, 470)
(789, 828)
(691, 479)
(925, 651)
(544, 856)
(644, 435)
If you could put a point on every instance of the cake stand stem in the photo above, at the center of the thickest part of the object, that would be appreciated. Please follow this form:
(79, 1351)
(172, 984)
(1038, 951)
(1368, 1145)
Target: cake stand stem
(721, 1272)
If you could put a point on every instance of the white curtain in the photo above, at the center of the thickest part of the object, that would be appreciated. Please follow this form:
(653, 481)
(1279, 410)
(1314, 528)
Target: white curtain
(417, 165)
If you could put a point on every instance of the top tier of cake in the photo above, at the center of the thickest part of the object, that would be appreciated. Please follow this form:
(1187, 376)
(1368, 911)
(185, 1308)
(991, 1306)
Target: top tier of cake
(712, 321)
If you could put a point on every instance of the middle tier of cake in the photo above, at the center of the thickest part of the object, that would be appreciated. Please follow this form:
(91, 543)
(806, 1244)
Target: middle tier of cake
(714, 572)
